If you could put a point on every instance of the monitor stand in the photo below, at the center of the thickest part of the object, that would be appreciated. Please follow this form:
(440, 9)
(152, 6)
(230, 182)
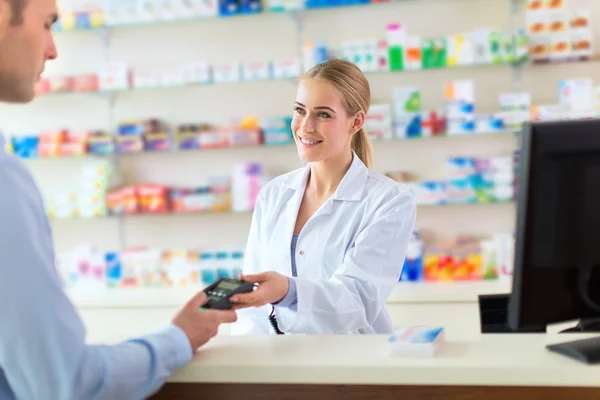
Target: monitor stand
(589, 325)
(493, 316)
(584, 350)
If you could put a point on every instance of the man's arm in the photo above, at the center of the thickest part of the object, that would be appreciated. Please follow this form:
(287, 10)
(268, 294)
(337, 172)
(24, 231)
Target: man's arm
(42, 339)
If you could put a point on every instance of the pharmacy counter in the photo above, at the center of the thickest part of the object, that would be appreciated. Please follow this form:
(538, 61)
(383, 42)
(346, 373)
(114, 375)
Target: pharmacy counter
(361, 367)
(405, 292)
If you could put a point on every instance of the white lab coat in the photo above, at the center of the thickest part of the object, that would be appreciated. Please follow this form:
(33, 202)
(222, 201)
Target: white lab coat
(349, 255)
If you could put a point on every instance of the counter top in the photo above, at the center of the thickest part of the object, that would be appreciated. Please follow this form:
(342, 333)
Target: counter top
(494, 360)
(422, 292)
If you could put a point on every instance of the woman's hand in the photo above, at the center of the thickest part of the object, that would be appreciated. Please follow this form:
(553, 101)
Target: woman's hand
(272, 287)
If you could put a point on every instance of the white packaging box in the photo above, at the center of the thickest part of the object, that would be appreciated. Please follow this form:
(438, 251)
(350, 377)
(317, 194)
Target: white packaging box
(113, 76)
(146, 78)
(198, 73)
(256, 71)
(227, 73)
(172, 77)
(285, 69)
(416, 341)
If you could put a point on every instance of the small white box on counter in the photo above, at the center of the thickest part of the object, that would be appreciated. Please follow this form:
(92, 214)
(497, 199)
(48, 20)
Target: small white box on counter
(416, 340)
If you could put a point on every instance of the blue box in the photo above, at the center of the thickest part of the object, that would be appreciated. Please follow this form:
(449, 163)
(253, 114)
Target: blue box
(228, 7)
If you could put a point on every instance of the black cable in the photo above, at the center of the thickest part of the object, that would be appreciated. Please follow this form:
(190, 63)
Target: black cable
(585, 278)
(273, 321)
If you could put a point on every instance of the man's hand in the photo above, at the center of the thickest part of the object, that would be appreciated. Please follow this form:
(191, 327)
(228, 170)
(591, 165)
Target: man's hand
(272, 287)
(201, 325)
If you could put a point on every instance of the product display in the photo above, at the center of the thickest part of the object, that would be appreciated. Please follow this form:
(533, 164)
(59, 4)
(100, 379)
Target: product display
(467, 259)
(118, 76)
(558, 32)
(466, 101)
(469, 180)
(458, 117)
(99, 194)
(160, 199)
(85, 267)
(90, 14)
(400, 51)
(153, 136)
(88, 198)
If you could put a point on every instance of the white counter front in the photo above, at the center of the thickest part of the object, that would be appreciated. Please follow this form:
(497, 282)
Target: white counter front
(496, 360)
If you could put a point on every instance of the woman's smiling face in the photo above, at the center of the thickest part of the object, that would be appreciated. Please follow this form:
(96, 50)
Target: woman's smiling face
(321, 126)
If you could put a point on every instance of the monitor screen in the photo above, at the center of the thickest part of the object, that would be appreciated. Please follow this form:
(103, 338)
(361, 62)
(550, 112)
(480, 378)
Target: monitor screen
(558, 223)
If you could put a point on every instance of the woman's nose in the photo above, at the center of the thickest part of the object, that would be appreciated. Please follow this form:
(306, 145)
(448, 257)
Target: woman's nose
(307, 125)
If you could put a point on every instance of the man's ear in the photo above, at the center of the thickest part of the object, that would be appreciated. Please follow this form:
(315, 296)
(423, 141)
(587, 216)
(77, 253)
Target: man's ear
(5, 16)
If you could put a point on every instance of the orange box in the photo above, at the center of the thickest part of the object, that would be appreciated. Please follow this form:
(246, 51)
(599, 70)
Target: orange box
(130, 200)
(153, 199)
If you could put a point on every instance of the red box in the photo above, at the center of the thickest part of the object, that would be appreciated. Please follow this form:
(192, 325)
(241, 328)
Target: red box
(61, 84)
(42, 87)
(85, 83)
(130, 200)
(153, 199)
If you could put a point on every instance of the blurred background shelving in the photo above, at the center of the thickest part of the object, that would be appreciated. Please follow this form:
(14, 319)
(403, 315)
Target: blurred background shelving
(157, 50)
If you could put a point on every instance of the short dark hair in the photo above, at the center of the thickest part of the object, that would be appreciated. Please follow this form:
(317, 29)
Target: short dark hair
(17, 7)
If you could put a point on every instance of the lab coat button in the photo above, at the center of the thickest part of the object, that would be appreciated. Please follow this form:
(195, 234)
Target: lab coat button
(301, 252)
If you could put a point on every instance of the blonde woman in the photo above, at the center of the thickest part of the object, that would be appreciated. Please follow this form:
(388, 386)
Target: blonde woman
(327, 242)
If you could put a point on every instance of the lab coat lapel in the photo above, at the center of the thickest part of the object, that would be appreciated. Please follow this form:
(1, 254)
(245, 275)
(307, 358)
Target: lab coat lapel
(353, 184)
(350, 188)
(295, 185)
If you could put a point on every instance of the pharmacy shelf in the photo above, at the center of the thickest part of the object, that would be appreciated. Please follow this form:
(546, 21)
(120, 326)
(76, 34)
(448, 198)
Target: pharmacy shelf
(593, 58)
(247, 213)
(173, 297)
(114, 92)
(376, 142)
(86, 25)
(368, 74)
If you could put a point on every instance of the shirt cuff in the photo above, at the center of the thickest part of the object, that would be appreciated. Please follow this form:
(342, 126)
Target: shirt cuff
(182, 349)
(291, 298)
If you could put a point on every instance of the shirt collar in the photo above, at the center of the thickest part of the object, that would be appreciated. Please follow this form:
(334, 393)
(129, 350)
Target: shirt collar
(351, 187)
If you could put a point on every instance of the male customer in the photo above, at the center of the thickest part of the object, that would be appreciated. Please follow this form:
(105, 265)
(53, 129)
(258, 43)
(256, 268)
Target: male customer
(43, 354)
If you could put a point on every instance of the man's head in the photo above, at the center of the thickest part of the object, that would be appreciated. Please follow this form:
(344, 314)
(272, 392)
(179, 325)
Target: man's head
(26, 44)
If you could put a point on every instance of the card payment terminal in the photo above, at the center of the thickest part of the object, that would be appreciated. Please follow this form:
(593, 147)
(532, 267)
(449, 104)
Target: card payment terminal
(219, 293)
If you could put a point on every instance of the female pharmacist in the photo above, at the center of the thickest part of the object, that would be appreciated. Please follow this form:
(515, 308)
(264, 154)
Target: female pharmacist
(327, 242)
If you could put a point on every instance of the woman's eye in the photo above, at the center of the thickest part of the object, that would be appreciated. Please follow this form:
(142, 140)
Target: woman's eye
(323, 115)
(298, 110)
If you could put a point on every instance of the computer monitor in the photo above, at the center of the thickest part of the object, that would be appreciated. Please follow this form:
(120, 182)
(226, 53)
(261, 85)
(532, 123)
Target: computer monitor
(557, 257)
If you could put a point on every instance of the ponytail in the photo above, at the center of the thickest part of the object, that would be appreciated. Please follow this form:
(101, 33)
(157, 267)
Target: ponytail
(361, 144)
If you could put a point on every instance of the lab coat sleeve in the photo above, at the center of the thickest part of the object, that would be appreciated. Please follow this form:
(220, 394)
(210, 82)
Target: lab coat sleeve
(356, 293)
(253, 320)
(43, 353)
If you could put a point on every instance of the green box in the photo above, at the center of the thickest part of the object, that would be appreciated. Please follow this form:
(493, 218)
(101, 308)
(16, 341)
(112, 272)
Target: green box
(396, 55)
(434, 53)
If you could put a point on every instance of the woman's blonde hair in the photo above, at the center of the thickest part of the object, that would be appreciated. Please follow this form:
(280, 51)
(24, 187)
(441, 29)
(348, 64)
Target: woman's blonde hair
(354, 87)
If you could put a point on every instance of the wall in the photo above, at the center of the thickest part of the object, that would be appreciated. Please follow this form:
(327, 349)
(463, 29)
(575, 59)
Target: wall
(262, 38)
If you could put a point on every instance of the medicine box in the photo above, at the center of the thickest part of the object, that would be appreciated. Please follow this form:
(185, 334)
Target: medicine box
(285, 69)
(227, 73)
(255, 71)
(416, 341)
(407, 112)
